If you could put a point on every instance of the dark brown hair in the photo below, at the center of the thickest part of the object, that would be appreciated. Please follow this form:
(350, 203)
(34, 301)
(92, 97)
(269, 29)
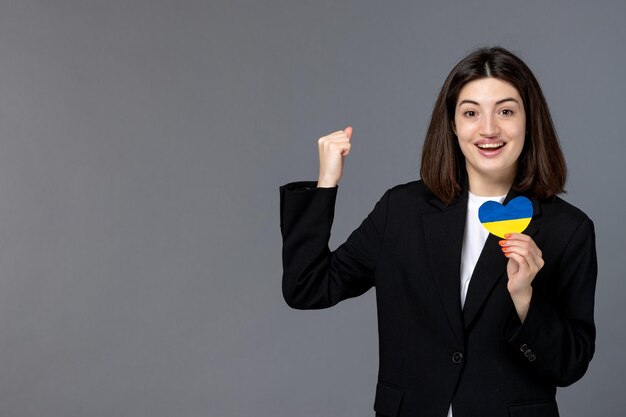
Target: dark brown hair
(541, 170)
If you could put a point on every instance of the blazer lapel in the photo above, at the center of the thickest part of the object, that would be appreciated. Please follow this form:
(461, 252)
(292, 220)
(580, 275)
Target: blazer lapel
(491, 266)
(443, 231)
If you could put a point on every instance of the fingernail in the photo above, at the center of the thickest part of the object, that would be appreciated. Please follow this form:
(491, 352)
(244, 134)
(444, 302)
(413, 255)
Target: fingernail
(504, 249)
(502, 242)
(508, 235)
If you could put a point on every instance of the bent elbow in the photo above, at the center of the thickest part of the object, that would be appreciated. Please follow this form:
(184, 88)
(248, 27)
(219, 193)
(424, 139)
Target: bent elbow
(573, 374)
(293, 301)
(294, 298)
(304, 297)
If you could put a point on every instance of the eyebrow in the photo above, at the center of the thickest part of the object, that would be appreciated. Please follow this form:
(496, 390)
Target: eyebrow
(504, 100)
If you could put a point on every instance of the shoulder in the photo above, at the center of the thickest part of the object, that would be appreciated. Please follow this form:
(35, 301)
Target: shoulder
(565, 217)
(565, 211)
(410, 196)
(409, 189)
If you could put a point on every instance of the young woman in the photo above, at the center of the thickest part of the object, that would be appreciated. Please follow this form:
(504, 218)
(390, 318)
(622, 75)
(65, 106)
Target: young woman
(469, 324)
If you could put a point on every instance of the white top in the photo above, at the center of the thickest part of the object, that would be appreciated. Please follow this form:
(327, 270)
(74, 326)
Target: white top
(474, 239)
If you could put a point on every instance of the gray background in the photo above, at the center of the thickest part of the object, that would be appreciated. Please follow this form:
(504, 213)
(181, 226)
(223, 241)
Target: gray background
(142, 144)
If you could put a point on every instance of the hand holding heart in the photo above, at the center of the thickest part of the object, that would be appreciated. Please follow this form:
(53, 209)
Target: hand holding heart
(525, 258)
(332, 149)
(509, 222)
(525, 261)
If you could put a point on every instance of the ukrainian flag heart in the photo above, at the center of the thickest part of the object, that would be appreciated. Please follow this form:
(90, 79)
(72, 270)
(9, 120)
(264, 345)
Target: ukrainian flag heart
(512, 218)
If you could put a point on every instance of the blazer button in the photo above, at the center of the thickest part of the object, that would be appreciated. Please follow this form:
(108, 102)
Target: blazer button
(457, 357)
(532, 358)
(523, 348)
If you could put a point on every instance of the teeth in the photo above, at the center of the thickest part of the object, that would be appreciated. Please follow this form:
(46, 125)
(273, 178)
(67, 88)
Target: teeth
(490, 145)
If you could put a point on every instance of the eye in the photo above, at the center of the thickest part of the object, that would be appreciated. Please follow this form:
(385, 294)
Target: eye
(469, 113)
(506, 112)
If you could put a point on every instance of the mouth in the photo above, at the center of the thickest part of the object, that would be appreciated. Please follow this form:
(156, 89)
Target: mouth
(490, 146)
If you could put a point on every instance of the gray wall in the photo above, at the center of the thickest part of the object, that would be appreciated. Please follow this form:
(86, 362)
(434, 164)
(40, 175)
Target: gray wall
(142, 144)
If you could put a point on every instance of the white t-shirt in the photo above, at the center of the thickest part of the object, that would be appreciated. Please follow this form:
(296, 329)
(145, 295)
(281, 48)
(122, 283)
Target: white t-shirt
(474, 238)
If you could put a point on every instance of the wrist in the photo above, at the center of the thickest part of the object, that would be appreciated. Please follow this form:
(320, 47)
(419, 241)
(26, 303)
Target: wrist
(522, 293)
(323, 183)
(521, 301)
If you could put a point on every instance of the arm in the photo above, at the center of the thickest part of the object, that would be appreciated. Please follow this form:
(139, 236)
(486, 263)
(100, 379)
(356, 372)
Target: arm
(313, 276)
(525, 261)
(557, 338)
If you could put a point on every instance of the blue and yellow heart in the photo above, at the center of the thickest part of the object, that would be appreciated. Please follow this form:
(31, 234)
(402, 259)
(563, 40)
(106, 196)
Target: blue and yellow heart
(512, 218)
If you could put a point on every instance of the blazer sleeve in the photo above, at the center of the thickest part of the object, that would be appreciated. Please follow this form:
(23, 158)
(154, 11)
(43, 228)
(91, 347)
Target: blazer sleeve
(313, 276)
(557, 339)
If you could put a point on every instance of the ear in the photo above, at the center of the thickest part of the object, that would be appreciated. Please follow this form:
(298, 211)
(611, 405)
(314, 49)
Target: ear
(453, 126)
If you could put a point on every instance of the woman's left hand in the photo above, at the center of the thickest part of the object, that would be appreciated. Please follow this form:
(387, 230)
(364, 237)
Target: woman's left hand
(525, 261)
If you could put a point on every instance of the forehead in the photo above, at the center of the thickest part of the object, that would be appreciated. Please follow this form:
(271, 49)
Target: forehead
(487, 90)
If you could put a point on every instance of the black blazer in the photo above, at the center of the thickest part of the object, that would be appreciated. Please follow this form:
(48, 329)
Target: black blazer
(481, 359)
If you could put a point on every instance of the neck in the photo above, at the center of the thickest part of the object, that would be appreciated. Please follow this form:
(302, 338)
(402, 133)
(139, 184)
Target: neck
(490, 186)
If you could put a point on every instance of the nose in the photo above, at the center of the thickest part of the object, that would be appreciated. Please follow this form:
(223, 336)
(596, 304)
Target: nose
(489, 126)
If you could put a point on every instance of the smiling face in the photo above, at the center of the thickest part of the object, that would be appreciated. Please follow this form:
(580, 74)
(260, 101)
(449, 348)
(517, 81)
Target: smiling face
(490, 124)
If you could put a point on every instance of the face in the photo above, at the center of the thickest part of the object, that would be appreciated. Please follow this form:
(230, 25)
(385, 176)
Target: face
(490, 124)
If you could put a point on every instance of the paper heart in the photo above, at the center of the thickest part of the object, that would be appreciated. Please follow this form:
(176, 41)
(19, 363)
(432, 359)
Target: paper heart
(512, 218)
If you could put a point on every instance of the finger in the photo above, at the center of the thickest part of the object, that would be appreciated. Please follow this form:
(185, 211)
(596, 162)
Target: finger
(341, 147)
(532, 259)
(338, 136)
(348, 132)
(521, 248)
(521, 262)
(525, 252)
(524, 246)
(535, 260)
(328, 144)
(527, 241)
(518, 236)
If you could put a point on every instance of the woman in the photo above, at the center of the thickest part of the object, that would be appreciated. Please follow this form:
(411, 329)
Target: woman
(469, 324)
